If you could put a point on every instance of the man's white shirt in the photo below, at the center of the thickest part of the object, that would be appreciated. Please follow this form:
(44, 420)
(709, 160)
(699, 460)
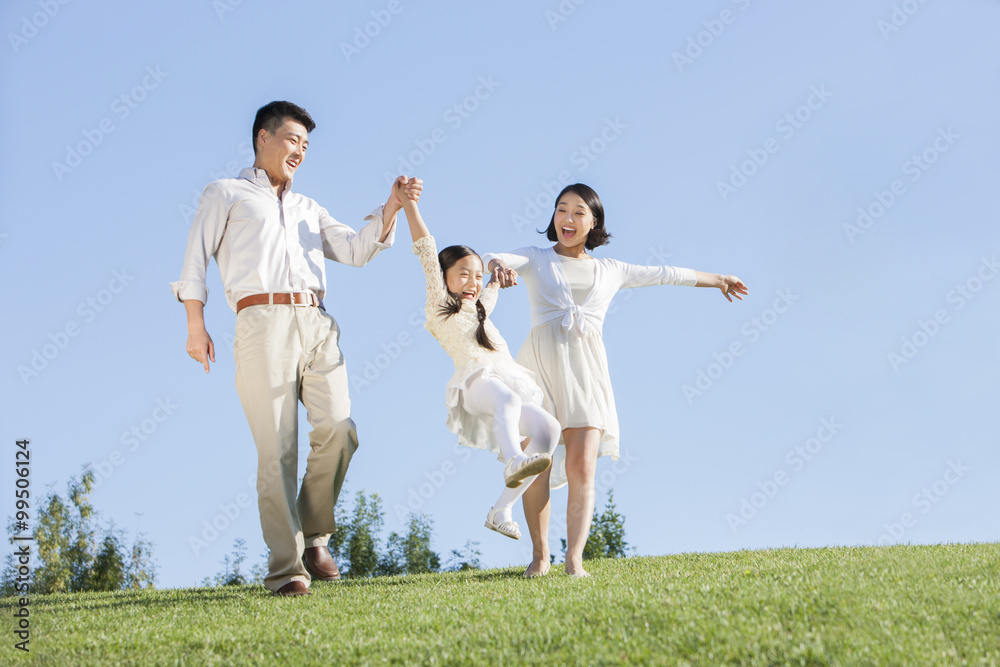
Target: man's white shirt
(266, 244)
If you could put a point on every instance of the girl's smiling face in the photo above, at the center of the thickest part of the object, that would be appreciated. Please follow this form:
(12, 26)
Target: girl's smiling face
(573, 220)
(465, 277)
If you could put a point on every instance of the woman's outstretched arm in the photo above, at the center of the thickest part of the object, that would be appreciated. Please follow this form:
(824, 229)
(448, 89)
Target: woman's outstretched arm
(636, 275)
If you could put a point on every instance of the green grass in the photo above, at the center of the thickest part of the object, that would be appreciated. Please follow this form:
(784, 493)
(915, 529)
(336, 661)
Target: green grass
(917, 605)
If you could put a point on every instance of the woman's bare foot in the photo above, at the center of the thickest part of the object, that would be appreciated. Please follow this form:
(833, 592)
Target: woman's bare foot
(539, 568)
(575, 569)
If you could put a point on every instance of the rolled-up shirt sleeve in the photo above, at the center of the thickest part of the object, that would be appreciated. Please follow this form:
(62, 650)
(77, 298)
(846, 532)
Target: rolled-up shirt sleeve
(515, 259)
(207, 229)
(354, 248)
(636, 275)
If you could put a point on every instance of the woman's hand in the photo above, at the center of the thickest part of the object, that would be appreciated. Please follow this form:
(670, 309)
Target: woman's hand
(731, 285)
(503, 275)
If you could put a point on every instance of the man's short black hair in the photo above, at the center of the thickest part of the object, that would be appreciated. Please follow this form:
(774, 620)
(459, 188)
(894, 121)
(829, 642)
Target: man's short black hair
(272, 115)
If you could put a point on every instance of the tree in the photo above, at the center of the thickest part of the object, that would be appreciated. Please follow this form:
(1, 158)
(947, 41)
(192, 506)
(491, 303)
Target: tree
(230, 574)
(607, 534)
(259, 570)
(412, 553)
(466, 558)
(358, 547)
(393, 561)
(140, 572)
(417, 546)
(108, 572)
(64, 539)
(338, 542)
(67, 555)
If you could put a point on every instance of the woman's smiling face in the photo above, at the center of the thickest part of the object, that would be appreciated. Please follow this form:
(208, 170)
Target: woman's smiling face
(573, 220)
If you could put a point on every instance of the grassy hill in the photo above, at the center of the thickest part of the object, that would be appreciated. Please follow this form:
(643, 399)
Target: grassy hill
(920, 605)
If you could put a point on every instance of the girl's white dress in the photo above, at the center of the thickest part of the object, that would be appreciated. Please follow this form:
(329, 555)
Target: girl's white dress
(565, 347)
(457, 335)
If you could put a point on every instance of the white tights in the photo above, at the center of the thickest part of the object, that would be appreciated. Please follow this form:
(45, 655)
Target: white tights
(512, 418)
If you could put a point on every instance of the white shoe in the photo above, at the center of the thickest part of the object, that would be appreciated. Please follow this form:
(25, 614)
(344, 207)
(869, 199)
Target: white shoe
(507, 528)
(517, 470)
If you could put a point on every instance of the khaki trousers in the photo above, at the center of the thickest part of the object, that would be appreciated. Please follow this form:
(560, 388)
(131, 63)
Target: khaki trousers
(285, 354)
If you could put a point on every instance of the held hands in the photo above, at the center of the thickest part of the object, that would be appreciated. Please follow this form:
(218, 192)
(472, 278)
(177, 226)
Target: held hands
(731, 285)
(503, 275)
(405, 190)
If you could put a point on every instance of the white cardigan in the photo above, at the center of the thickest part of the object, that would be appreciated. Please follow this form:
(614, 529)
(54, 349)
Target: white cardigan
(550, 294)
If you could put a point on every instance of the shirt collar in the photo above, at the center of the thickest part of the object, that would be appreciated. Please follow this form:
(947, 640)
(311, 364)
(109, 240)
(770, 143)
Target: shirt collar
(259, 177)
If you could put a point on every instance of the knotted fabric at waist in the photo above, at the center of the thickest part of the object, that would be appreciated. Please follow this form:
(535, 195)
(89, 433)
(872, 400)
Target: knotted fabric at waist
(573, 318)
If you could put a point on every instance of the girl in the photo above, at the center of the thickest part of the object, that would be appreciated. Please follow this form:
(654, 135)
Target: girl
(491, 400)
(570, 292)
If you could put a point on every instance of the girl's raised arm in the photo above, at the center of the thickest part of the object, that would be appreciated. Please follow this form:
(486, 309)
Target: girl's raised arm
(418, 229)
(425, 249)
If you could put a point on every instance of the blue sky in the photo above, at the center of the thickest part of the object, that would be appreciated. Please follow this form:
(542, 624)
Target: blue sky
(845, 402)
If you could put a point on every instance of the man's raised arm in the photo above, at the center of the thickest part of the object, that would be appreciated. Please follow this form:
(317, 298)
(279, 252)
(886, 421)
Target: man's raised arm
(342, 244)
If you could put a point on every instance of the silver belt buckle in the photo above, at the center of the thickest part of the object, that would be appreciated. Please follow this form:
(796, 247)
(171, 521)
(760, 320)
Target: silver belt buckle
(307, 295)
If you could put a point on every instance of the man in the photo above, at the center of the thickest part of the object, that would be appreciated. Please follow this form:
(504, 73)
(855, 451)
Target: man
(269, 243)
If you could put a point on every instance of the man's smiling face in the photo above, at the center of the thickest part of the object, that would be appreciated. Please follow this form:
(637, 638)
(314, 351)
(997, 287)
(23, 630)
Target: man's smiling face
(281, 153)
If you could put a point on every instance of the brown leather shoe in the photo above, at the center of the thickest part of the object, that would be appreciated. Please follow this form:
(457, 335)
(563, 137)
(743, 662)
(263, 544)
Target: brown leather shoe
(293, 588)
(320, 564)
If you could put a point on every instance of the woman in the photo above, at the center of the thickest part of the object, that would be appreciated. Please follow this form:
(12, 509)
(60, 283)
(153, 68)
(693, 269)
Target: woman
(570, 292)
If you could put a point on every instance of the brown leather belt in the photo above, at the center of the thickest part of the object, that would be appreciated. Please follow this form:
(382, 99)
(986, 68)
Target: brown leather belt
(280, 298)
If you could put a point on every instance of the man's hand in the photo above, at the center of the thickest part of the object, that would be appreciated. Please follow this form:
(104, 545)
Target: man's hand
(200, 346)
(404, 188)
(502, 274)
(409, 188)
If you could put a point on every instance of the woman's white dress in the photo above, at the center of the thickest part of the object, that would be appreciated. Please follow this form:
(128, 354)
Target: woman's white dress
(457, 335)
(565, 347)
